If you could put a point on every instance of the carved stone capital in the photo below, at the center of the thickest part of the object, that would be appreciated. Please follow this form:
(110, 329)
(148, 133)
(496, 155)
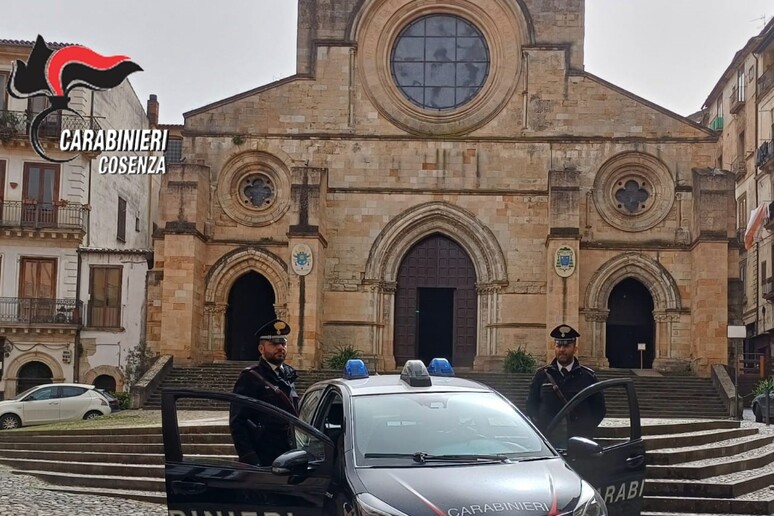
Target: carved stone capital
(596, 315)
(215, 308)
(662, 316)
(488, 288)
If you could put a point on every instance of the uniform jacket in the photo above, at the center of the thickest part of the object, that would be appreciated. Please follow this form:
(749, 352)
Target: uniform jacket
(260, 438)
(543, 403)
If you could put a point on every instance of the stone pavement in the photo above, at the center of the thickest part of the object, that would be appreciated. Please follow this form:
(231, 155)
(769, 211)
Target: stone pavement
(23, 495)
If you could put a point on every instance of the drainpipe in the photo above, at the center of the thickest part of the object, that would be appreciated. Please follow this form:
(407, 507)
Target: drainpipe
(79, 308)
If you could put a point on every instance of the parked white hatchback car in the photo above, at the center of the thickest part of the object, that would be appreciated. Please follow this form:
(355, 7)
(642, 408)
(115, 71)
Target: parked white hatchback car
(52, 402)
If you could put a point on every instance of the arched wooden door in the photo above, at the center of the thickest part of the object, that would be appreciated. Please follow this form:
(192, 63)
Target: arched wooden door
(435, 303)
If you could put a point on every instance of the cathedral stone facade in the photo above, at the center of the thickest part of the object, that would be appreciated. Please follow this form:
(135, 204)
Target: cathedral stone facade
(443, 178)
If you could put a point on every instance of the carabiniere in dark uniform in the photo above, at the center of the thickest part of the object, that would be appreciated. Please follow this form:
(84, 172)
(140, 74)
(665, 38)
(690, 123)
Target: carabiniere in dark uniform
(544, 402)
(260, 438)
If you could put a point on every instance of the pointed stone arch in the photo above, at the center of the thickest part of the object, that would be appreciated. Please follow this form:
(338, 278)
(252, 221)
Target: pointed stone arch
(667, 304)
(418, 222)
(222, 276)
(398, 237)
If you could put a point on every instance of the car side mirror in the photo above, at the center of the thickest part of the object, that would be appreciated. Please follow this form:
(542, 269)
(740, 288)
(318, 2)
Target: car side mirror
(580, 447)
(293, 461)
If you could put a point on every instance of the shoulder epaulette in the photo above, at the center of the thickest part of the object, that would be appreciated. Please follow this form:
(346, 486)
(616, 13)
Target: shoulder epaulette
(588, 370)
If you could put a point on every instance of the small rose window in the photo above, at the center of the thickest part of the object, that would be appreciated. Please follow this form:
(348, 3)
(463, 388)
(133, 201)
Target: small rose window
(632, 195)
(257, 191)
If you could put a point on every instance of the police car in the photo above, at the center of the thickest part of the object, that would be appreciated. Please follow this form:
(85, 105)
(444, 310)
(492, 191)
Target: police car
(420, 443)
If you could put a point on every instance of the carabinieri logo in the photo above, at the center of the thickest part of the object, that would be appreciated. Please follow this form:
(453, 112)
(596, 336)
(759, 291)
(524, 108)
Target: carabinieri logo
(54, 73)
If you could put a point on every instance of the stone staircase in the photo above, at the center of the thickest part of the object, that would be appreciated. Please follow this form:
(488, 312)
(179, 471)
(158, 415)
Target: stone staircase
(695, 467)
(659, 396)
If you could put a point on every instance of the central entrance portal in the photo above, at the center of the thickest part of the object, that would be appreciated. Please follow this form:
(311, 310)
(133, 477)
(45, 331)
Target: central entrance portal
(250, 306)
(630, 323)
(435, 334)
(435, 304)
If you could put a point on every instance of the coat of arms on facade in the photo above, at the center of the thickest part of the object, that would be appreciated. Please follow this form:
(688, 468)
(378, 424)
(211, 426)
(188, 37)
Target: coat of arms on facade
(301, 259)
(564, 265)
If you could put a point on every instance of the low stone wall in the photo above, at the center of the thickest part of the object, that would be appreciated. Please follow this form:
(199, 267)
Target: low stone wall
(725, 387)
(140, 391)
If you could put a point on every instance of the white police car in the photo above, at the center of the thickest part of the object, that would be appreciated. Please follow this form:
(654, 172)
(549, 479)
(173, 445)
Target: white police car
(415, 444)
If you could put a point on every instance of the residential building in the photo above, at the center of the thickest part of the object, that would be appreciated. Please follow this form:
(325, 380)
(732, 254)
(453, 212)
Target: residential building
(444, 179)
(74, 243)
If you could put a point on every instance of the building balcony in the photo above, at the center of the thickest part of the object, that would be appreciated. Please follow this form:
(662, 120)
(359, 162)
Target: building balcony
(765, 82)
(764, 156)
(736, 100)
(739, 167)
(21, 311)
(717, 123)
(15, 125)
(31, 215)
(768, 289)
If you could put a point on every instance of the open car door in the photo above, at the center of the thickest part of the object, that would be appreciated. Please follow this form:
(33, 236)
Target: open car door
(206, 477)
(614, 460)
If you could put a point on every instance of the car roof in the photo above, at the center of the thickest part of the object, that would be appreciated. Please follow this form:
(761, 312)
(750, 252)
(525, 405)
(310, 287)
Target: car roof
(84, 385)
(392, 384)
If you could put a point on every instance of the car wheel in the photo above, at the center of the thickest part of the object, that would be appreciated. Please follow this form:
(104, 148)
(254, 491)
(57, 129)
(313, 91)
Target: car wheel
(92, 415)
(758, 415)
(9, 422)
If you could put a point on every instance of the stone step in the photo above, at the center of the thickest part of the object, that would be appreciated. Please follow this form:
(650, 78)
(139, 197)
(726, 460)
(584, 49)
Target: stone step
(204, 449)
(98, 481)
(709, 451)
(762, 504)
(668, 442)
(704, 469)
(87, 468)
(724, 486)
(669, 428)
(82, 456)
(211, 438)
(159, 497)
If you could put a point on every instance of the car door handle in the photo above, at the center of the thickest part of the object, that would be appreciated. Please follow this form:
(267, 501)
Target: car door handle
(53, 403)
(635, 461)
(188, 488)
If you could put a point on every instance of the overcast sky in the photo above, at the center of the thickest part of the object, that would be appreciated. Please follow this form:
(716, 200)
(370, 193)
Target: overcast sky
(194, 52)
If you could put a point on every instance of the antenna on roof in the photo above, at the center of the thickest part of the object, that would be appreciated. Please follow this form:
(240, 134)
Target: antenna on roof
(764, 18)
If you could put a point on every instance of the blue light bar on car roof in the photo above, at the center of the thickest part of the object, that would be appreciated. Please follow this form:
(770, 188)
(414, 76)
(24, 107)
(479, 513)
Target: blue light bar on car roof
(355, 369)
(415, 374)
(440, 367)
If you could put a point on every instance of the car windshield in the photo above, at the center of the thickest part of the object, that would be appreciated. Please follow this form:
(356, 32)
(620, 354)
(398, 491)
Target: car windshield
(390, 429)
(23, 394)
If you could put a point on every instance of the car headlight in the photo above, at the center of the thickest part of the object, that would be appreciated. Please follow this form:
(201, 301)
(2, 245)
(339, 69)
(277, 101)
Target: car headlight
(590, 503)
(369, 505)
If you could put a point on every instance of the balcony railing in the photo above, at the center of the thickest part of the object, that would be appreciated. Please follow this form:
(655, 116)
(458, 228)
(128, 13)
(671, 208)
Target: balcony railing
(40, 310)
(103, 316)
(768, 289)
(33, 215)
(736, 100)
(764, 156)
(739, 167)
(16, 124)
(765, 81)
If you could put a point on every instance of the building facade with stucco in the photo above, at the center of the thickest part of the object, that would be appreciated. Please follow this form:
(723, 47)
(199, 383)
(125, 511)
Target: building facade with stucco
(444, 179)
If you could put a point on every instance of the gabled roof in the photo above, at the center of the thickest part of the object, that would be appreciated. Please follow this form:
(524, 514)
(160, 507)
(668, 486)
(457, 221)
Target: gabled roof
(727, 75)
(30, 44)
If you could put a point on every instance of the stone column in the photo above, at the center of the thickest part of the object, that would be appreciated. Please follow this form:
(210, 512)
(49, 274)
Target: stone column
(594, 351)
(489, 295)
(215, 319)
